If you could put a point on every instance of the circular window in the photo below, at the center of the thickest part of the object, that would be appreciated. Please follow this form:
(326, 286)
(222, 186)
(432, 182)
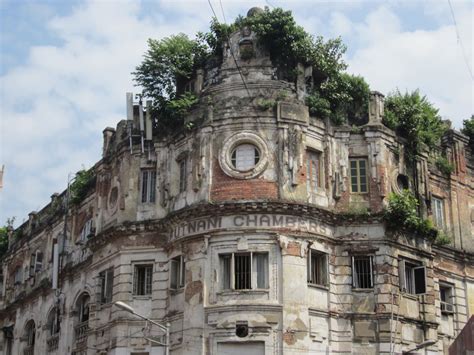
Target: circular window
(244, 156)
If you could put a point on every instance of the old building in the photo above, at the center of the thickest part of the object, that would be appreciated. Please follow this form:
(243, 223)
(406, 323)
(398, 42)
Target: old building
(257, 230)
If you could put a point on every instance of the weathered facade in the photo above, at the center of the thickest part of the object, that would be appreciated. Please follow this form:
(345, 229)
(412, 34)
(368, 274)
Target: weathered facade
(257, 230)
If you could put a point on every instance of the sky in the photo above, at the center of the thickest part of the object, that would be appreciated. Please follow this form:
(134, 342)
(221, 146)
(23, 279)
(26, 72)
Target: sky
(65, 67)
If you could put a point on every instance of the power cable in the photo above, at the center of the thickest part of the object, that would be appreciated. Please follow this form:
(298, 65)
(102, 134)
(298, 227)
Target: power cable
(460, 41)
(231, 51)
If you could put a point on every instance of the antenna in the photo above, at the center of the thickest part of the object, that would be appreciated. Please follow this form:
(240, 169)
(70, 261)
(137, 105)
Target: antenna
(141, 121)
(129, 101)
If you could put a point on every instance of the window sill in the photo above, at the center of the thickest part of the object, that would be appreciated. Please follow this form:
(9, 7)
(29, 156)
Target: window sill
(246, 291)
(411, 296)
(142, 297)
(362, 290)
(176, 291)
(320, 287)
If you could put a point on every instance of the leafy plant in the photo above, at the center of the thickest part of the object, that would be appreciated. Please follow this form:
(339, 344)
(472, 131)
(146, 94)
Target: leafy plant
(83, 183)
(468, 130)
(415, 119)
(264, 104)
(444, 165)
(4, 237)
(402, 215)
(443, 239)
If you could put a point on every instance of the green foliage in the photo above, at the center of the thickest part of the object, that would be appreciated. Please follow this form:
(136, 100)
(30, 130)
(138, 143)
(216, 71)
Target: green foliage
(171, 62)
(3, 241)
(264, 104)
(289, 44)
(468, 130)
(341, 98)
(443, 239)
(84, 182)
(4, 237)
(402, 215)
(415, 119)
(444, 165)
(167, 63)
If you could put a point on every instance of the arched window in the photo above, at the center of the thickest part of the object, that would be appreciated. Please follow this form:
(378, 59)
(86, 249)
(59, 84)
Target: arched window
(53, 322)
(30, 336)
(83, 308)
(81, 326)
(53, 325)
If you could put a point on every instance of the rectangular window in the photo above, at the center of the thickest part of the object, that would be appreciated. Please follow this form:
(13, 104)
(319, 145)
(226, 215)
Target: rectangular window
(358, 175)
(362, 274)
(438, 212)
(106, 282)
(36, 263)
(446, 295)
(412, 277)
(177, 272)
(148, 186)
(18, 275)
(313, 171)
(142, 280)
(244, 271)
(86, 230)
(183, 175)
(317, 268)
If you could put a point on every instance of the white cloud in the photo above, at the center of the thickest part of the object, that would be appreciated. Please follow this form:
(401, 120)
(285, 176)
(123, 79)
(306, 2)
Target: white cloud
(429, 60)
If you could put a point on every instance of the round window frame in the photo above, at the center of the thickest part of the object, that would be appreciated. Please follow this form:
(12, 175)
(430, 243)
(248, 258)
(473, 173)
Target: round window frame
(225, 156)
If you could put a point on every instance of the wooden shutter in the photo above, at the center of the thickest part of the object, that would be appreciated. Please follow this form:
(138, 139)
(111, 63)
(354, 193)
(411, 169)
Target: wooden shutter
(401, 276)
(420, 279)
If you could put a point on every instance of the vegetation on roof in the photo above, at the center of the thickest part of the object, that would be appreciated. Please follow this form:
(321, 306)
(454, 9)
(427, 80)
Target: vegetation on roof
(401, 215)
(468, 130)
(413, 117)
(173, 60)
(83, 183)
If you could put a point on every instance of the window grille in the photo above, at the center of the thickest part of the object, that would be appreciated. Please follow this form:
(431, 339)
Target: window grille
(317, 268)
(362, 276)
(244, 271)
(142, 280)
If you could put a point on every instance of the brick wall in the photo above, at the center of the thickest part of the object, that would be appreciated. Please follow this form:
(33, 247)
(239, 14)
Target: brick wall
(225, 188)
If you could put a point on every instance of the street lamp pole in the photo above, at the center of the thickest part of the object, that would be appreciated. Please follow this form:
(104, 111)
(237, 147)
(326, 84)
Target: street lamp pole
(166, 328)
(420, 346)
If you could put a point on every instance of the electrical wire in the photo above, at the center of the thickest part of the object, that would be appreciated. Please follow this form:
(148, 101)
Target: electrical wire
(231, 51)
(460, 41)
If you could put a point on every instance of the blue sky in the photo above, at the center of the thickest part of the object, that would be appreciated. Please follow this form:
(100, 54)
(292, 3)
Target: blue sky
(65, 67)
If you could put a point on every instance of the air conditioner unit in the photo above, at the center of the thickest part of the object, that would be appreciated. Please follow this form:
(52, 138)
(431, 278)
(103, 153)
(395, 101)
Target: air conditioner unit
(447, 307)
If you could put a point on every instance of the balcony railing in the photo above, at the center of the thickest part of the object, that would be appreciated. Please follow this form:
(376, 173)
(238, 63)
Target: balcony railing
(29, 350)
(52, 343)
(81, 331)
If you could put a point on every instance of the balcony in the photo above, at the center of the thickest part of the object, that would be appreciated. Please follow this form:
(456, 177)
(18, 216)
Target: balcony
(78, 256)
(52, 343)
(81, 331)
